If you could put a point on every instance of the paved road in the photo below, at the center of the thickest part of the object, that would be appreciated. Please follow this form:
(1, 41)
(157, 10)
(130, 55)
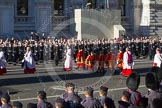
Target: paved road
(23, 87)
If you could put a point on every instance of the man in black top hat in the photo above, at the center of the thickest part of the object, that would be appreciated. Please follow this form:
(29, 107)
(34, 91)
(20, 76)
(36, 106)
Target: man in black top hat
(90, 101)
(17, 104)
(104, 100)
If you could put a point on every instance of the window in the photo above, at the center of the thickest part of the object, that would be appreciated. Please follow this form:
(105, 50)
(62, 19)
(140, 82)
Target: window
(59, 7)
(22, 7)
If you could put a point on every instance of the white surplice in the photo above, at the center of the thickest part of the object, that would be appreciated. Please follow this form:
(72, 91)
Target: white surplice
(3, 62)
(29, 60)
(68, 60)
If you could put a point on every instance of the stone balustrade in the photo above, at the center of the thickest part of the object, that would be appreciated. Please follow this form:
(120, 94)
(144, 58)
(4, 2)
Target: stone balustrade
(23, 20)
(59, 19)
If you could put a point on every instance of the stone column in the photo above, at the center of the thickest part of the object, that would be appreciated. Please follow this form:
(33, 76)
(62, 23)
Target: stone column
(66, 7)
(43, 16)
(7, 17)
(136, 15)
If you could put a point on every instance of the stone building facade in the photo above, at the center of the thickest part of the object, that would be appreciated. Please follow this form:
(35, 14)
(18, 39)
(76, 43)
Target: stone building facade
(139, 17)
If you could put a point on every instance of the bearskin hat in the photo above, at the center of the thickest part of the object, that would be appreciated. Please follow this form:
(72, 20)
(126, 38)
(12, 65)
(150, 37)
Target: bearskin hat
(151, 81)
(133, 81)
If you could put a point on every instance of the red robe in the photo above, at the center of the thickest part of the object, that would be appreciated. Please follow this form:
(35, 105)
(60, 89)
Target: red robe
(79, 59)
(120, 60)
(101, 60)
(90, 61)
(109, 60)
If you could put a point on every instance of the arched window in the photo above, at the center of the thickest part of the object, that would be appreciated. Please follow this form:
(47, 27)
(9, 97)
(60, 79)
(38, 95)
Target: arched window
(22, 7)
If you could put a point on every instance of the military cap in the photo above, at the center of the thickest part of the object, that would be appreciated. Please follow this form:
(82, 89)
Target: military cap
(6, 96)
(42, 94)
(67, 85)
(123, 104)
(31, 105)
(17, 104)
(133, 81)
(104, 88)
(71, 85)
(89, 90)
(151, 81)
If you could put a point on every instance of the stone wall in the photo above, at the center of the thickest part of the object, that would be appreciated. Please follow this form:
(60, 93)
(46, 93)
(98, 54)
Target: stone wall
(97, 23)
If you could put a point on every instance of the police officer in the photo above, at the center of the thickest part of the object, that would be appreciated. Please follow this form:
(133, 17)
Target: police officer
(72, 98)
(104, 100)
(17, 104)
(90, 101)
(42, 100)
(5, 100)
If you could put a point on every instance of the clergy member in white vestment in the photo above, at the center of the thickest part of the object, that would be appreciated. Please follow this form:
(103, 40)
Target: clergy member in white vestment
(157, 58)
(29, 63)
(68, 60)
(127, 63)
(3, 63)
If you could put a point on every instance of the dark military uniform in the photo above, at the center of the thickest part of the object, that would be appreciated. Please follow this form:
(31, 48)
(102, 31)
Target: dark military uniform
(41, 52)
(46, 52)
(106, 100)
(42, 103)
(91, 102)
(15, 54)
(152, 84)
(73, 100)
(21, 52)
(138, 49)
(51, 52)
(132, 83)
(9, 49)
(61, 51)
(75, 51)
(56, 54)
(36, 53)
(151, 50)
